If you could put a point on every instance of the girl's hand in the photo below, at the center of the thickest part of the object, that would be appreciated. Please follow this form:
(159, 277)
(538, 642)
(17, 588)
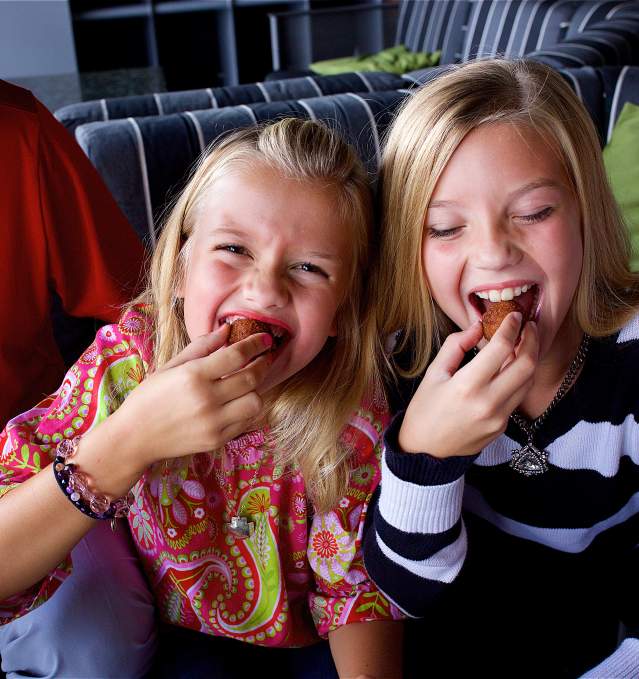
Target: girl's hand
(459, 411)
(198, 401)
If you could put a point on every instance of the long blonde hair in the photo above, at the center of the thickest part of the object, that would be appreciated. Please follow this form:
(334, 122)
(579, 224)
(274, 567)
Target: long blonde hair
(425, 134)
(309, 410)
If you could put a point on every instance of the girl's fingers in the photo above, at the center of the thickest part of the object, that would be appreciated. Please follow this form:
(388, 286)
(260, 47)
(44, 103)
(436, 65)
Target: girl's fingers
(237, 356)
(520, 371)
(454, 349)
(492, 357)
(529, 340)
(239, 414)
(200, 347)
(243, 381)
(234, 430)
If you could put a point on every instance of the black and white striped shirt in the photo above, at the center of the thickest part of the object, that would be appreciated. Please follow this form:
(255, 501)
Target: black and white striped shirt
(524, 575)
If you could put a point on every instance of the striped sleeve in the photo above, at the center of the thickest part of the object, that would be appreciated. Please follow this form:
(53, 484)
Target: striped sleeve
(622, 664)
(416, 544)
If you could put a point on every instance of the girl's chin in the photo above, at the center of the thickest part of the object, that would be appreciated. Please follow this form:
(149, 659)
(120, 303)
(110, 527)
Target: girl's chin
(271, 382)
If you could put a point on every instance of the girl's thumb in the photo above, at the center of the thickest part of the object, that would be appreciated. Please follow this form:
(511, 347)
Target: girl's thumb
(455, 347)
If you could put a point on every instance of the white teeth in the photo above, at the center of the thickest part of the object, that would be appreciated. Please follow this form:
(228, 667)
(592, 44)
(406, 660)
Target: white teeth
(503, 295)
(507, 294)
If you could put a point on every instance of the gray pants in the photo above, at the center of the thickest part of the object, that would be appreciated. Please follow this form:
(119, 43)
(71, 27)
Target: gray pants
(98, 625)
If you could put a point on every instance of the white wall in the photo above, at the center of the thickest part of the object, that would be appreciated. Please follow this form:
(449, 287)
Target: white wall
(36, 38)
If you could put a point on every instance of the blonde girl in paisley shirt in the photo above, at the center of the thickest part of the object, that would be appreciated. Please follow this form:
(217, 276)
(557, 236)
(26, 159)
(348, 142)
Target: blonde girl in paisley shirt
(251, 463)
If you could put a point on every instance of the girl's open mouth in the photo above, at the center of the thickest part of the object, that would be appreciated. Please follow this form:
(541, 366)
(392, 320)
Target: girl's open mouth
(242, 327)
(526, 297)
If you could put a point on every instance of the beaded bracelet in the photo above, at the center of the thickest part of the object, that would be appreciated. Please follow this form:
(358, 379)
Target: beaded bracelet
(77, 487)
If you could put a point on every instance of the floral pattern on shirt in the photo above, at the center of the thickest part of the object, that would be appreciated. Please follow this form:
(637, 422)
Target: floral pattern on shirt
(298, 574)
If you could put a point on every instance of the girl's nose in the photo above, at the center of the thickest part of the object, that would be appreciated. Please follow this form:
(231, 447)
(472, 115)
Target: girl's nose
(266, 289)
(495, 249)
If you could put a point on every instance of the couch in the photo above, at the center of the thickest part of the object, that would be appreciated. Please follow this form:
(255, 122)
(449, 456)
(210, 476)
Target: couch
(144, 161)
(165, 103)
(561, 33)
(460, 29)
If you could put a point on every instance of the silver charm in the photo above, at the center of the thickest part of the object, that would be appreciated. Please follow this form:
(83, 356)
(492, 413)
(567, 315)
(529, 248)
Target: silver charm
(529, 460)
(240, 527)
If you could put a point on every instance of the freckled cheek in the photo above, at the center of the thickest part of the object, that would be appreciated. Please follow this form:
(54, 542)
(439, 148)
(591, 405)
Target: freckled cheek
(216, 280)
(443, 272)
(559, 252)
(223, 272)
(315, 322)
(207, 287)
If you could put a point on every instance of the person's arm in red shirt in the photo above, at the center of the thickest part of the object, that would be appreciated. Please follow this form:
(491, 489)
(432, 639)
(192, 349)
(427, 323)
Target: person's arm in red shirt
(95, 257)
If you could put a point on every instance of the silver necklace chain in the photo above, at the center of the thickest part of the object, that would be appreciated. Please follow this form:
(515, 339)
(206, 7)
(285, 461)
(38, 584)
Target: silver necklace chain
(529, 460)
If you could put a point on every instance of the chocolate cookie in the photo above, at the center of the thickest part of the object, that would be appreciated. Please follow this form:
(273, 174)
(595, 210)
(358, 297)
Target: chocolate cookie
(245, 327)
(495, 314)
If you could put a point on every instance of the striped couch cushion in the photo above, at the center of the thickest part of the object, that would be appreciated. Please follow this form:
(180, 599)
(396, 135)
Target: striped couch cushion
(593, 12)
(164, 103)
(429, 25)
(561, 33)
(145, 160)
(463, 30)
(603, 92)
(515, 28)
(620, 85)
(610, 42)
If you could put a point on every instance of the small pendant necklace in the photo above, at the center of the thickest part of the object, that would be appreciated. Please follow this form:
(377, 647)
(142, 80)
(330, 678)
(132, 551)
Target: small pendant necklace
(530, 460)
(239, 525)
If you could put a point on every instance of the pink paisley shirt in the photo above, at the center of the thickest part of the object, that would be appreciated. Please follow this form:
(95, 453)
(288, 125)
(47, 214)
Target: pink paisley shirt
(298, 576)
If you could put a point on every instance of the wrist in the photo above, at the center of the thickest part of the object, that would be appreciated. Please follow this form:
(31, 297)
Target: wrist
(79, 488)
(109, 459)
(420, 468)
(409, 443)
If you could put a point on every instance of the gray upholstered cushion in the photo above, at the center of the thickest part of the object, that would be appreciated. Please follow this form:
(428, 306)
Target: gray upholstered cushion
(164, 103)
(144, 161)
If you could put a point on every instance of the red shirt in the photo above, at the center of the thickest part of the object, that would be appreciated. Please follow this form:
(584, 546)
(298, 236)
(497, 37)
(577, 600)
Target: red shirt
(60, 230)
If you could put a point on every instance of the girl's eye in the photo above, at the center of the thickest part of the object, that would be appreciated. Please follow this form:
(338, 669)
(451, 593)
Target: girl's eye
(235, 249)
(311, 268)
(443, 233)
(536, 217)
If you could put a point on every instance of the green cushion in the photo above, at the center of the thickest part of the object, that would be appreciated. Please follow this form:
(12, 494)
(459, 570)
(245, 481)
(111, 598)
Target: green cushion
(396, 59)
(621, 157)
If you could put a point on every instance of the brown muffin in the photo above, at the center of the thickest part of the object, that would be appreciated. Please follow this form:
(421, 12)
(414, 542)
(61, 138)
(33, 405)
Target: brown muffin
(245, 327)
(495, 314)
